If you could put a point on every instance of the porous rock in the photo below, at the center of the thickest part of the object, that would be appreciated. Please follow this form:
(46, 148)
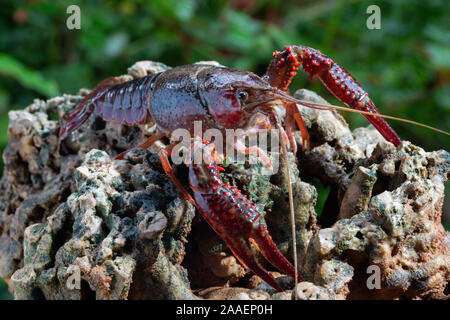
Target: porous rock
(77, 224)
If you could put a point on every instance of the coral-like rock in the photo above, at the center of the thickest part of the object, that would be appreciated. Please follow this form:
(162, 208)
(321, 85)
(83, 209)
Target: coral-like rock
(75, 224)
(308, 291)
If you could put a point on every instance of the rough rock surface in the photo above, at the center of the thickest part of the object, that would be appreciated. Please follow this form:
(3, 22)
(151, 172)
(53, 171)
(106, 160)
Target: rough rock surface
(75, 224)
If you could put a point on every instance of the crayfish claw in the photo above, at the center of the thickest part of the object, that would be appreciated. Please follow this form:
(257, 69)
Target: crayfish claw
(270, 251)
(234, 218)
(246, 254)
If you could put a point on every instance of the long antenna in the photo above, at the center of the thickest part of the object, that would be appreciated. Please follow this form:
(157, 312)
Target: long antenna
(291, 209)
(329, 107)
(285, 96)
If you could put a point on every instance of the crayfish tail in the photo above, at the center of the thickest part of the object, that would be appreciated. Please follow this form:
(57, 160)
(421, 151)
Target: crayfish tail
(76, 119)
(86, 107)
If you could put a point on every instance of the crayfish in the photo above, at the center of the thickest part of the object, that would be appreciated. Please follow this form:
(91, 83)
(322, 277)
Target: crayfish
(224, 98)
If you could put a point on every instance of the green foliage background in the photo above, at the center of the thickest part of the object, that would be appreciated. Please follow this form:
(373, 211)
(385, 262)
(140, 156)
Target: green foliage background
(405, 66)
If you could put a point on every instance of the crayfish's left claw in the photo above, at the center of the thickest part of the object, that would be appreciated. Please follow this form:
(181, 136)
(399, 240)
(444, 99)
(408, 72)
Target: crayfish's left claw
(246, 254)
(269, 250)
(262, 241)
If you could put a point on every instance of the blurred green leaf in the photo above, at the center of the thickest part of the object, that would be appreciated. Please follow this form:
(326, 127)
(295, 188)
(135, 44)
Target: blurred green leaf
(442, 97)
(13, 68)
(116, 43)
(184, 9)
(4, 100)
(439, 55)
(4, 293)
(4, 120)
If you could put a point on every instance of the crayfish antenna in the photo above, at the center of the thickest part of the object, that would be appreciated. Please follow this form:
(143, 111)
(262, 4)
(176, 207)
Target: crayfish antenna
(292, 215)
(284, 148)
(320, 106)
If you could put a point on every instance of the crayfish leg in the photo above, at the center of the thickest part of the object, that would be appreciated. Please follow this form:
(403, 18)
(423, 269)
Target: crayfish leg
(240, 147)
(163, 155)
(147, 144)
(290, 128)
(293, 111)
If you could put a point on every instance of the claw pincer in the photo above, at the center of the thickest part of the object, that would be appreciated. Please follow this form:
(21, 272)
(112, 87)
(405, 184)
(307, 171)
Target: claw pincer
(233, 217)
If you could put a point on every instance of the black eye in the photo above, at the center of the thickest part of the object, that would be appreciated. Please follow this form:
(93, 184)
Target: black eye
(242, 95)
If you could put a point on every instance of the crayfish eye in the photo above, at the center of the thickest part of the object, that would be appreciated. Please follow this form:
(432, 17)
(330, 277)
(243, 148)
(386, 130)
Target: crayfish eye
(242, 95)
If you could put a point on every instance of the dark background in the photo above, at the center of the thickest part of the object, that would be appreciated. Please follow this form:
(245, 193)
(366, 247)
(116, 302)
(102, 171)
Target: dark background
(405, 66)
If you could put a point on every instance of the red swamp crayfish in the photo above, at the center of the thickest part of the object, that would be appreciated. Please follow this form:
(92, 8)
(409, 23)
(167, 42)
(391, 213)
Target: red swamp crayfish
(224, 98)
